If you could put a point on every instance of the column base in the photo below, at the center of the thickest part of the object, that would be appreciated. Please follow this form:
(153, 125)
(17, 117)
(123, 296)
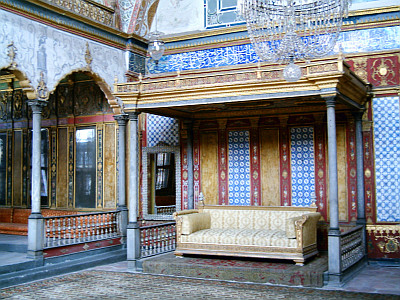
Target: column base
(124, 219)
(35, 235)
(133, 242)
(37, 255)
(337, 280)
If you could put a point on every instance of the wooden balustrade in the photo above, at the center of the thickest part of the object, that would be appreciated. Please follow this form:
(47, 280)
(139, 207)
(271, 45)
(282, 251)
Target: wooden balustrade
(352, 247)
(82, 228)
(157, 239)
(165, 210)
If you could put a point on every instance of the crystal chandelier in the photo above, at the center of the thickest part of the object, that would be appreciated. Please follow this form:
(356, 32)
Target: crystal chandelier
(288, 30)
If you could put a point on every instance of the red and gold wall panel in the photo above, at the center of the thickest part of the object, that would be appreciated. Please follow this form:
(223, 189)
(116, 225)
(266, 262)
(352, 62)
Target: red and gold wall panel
(284, 149)
(351, 170)
(383, 241)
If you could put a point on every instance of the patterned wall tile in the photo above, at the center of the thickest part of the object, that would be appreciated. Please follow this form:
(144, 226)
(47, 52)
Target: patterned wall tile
(302, 165)
(357, 41)
(162, 131)
(239, 167)
(386, 114)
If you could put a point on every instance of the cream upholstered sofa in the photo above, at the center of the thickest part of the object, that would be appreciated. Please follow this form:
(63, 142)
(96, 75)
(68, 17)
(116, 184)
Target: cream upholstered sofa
(264, 232)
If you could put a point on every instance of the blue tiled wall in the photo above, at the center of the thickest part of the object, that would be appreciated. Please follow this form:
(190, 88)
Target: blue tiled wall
(162, 130)
(367, 40)
(239, 167)
(302, 165)
(387, 158)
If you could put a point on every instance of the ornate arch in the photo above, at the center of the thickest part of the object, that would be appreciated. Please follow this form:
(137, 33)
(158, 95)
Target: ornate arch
(115, 105)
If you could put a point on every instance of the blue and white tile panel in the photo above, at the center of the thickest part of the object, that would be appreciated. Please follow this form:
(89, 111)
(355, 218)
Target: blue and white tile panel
(358, 41)
(386, 113)
(162, 131)
(302, 165)
(239, 167)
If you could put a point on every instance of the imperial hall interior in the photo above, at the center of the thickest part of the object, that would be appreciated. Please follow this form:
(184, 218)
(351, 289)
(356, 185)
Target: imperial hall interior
(129, 126)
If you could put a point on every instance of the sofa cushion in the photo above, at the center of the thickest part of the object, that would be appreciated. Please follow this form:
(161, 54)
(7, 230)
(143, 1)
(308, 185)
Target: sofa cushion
(251, 219)
(195, 222)
(243, 237)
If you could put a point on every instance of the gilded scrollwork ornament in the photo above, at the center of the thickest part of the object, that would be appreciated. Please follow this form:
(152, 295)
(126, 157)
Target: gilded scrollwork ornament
(88, 57)
(42, 91)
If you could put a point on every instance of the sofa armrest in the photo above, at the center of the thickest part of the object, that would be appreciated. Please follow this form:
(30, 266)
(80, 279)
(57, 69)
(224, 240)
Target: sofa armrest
(187, 223)
(306, 229)
(291, 227)
(184, 212)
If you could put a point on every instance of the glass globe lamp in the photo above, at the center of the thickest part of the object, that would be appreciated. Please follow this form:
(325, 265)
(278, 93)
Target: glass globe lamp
(156, 46)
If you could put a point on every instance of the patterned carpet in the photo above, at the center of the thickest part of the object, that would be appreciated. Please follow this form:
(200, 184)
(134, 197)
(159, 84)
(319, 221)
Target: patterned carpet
(283, 272)
(115, 285)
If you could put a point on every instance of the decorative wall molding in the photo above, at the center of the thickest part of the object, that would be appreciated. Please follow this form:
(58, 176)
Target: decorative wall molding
(60, 18)
(55, 53)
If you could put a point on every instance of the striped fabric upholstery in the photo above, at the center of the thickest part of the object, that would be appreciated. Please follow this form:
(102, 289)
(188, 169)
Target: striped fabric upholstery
(242, 237)
(250, 219)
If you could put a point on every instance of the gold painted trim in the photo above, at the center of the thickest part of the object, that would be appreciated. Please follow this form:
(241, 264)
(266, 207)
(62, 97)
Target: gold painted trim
(395, 228)
(102, 6)
(100, 126)
(264, 208)
(373, 11)
(71, 128)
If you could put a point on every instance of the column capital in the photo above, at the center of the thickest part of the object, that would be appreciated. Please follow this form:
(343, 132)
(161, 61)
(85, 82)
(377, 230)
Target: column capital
(121, 119)
(330, 101)
(358, 114)
(133, 115)
(37, 105)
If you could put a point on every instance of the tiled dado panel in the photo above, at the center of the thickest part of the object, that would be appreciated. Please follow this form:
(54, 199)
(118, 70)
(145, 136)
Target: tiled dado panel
(302, 165)
(386, 116)
(162, 131)
(357, 41)
(239, 167)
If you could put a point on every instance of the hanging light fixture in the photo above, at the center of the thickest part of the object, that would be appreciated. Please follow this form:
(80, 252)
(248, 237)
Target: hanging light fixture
(285, 31)
(156, 45)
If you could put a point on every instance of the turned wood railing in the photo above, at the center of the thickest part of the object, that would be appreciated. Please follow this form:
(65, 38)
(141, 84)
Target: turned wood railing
(157, 239)
(82, 228)
(352, 245)
(165, 210)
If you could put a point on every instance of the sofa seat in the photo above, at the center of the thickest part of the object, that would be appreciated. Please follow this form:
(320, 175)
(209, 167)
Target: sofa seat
(243, 237)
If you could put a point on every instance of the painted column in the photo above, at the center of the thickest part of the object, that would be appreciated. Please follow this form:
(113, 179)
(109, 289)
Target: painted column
(122, 121)
(334, 232)
(360, 169)
(190, 165)
(133, 233)
(35, 220)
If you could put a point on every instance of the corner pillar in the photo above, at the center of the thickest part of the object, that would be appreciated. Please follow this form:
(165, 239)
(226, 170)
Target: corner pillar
(35, 220)
(133, 232)
(360, 169)
(334, 249)
(122, 120)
